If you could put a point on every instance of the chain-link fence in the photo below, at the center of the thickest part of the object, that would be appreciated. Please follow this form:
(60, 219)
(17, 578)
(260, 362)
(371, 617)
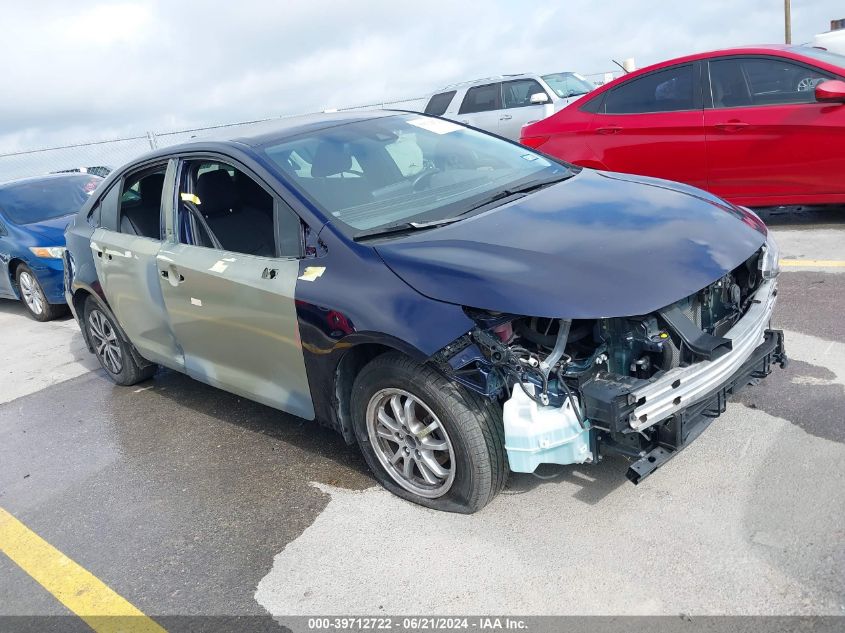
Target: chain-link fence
(99, 157)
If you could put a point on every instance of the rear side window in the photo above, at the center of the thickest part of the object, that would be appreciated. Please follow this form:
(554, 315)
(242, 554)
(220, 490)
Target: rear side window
(481, 99)
(439, 103)
(140, 203)
(759, 81)
(663, 91)
(517, 93)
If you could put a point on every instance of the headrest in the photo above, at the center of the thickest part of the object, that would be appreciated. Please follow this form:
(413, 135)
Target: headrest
(216, 192)
(150, 188)
(331, 158)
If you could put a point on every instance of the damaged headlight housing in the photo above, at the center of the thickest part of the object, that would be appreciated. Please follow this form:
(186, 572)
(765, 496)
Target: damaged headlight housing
(769, 262)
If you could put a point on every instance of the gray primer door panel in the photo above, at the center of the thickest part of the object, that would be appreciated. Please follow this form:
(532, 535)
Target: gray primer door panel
(126, 268)
(235, 318)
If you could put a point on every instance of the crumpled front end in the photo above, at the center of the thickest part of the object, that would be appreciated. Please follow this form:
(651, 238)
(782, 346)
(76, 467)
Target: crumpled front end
(641, 386)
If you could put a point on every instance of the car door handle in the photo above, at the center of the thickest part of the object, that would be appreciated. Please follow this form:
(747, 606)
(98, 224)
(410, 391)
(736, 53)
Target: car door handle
(731, 126)
(175, 280)
(610, 129)
(505, 117)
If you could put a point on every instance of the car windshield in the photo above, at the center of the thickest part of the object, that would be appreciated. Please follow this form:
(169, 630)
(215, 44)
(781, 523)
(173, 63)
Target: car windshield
(38, 200)
(822, 55)
(405, 168)
(568, 84)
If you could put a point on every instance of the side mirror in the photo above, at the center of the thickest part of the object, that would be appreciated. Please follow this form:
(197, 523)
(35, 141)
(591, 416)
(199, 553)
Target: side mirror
(832, 91)
(541, 97)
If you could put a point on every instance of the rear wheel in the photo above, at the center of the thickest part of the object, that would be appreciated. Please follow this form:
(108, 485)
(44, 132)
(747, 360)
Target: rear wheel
(33, 298)
(426, 439)
(112, 351)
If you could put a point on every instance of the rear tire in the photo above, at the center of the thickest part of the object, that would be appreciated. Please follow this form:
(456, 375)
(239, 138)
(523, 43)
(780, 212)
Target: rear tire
(33, 297)
(427, 439)
(114, 353)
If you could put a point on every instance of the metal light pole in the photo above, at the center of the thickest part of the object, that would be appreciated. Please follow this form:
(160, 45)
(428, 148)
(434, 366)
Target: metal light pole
(787, 21)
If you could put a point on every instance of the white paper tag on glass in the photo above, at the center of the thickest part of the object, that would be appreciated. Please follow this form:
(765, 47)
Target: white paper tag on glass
(438, 126)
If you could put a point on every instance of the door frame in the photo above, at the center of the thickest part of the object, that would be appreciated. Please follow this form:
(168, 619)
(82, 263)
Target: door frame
(280, 203)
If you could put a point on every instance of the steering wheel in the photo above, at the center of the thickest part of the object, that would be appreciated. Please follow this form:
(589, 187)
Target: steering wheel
(425, 175)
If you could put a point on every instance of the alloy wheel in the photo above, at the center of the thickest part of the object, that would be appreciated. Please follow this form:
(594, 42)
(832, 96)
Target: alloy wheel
(105, 341)
(31, 293)
(411, 443)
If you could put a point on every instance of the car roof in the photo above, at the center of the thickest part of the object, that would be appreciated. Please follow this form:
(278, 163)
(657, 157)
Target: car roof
(46, 177)
(253, 135)
(486, 80)
(275, 130)
(785, 50)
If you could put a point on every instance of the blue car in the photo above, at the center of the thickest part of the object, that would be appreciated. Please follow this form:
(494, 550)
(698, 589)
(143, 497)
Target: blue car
(34, 213)
(455, 304)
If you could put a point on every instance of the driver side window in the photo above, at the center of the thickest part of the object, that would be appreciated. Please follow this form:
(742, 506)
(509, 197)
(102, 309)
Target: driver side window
(223, 207)
(759, 82)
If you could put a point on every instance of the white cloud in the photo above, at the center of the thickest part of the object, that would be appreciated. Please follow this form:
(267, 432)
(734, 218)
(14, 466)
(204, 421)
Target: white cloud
(93, 70)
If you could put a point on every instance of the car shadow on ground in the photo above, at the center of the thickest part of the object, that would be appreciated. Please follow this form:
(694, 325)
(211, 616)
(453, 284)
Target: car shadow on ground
(815, 217)
(347, 468)
(324, 443)
(594, 481)
(15, 307)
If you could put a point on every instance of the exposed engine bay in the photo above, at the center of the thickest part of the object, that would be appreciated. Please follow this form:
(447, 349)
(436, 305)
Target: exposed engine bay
(591, 368)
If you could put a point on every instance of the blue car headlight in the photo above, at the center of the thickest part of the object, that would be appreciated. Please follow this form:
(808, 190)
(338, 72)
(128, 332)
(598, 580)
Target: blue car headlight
(48, 252)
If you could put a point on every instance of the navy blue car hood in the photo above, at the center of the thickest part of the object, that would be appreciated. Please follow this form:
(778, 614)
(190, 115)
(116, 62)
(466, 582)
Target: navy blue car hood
(596, 245)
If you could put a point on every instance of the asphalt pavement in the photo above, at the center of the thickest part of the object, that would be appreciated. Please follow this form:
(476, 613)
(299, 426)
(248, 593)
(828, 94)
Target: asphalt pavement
(186, 500)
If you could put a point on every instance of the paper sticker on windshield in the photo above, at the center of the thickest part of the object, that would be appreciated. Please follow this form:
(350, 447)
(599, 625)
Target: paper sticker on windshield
(438, 126)
(538, 160)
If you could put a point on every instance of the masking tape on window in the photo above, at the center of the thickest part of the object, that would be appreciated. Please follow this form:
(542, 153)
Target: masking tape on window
(190, 197)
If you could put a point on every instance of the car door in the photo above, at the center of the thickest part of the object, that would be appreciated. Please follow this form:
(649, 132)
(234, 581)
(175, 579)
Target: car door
(767, 137)
(481, 106)
(653, 125)
(228, 281)
(133, 221)
(517, 109)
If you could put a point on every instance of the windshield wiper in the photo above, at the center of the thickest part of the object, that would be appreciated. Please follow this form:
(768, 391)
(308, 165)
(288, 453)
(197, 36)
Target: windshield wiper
(407, 227)
(516, 191)
(402, 227)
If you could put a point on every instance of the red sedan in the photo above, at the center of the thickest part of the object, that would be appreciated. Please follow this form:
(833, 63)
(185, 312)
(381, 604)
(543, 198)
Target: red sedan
(760, 126)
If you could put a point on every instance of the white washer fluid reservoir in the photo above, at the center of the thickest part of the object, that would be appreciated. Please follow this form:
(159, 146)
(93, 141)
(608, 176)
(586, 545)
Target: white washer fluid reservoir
(537, 434)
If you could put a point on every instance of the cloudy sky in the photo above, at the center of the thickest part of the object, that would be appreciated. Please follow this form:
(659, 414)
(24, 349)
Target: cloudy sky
(75, 71)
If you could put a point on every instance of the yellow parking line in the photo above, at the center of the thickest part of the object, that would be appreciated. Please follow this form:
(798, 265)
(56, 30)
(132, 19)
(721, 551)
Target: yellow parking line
(814, 263)
(75, 587)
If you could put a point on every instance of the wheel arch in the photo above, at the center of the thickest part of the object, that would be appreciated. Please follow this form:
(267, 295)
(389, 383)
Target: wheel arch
(357, 355)
(14, 264)
(80, 297)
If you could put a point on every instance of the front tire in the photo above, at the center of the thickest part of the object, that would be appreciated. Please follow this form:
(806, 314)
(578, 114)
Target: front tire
(112, 351)
(33, 297)
(427, 439)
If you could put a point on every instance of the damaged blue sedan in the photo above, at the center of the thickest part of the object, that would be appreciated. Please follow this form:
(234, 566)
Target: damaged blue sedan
(458, 305)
